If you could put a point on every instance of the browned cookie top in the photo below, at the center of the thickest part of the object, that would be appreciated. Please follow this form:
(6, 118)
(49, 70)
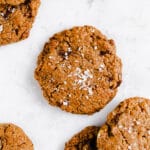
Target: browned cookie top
(78, 70)
(127, 127)
(11, 2)
(84, 140)
(16, 20)
(13, 138)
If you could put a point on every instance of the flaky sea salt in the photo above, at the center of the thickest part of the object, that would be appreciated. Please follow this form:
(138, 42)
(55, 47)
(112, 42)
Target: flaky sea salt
(92, 30)
(13, 10)
(129, 147)
(69, 49)
(101, 67)
(65, 103)
(88, 73)
(82, 79)
(2, 14)
(120, 126)
(90, 91)
(66, 55)
(138, 122)
(95, 47)
(130, 130)
(1, 28)
(69, 95)
(79, 48)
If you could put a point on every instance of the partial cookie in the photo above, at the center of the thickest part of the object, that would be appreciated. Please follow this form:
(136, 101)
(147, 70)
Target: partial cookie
(16, 20)
(11, 2)
(79, 70)
(84, 140)
(127, 127)
(13, 138)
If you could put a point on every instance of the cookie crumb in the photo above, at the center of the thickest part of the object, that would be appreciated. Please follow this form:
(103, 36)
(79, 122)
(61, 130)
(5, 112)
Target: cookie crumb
(148, 132)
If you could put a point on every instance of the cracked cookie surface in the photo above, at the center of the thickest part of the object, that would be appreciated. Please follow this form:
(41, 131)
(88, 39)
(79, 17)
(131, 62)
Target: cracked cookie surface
(79, 70)
(16, 20)
(127, 127)
(13, 138)
(84, 140)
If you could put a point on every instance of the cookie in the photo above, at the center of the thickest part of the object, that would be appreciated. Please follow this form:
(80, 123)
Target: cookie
(79, 70)
(84, 140)
(127, 127)
(16, 19)
(13, 138)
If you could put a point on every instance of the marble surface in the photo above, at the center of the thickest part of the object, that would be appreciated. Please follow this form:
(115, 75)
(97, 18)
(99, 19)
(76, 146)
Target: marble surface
(21, 100)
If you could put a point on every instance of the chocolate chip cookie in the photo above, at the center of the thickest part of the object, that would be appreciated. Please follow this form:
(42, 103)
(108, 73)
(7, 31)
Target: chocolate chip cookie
(127, 127)
(16, 19)
(84, 140)
(79, 70)
(13, 138)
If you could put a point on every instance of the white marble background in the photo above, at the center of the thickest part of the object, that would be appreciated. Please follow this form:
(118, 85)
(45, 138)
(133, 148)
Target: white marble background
(21, 101)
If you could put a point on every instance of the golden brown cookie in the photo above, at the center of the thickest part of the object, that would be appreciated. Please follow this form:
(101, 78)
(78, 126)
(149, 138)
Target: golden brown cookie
(127, 127)
(84, 140)
(16, 20)
(79, 70)
(13, 138)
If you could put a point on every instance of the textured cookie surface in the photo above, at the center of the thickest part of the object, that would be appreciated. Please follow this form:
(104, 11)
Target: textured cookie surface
(127, 127)
(16, 19)
(13, 138)
(84, 140)
(11, 2)
(78, 70)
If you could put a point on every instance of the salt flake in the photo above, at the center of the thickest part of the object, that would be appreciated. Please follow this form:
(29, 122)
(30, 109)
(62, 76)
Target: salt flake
(1, 28)
(65, 103)
(129, 147)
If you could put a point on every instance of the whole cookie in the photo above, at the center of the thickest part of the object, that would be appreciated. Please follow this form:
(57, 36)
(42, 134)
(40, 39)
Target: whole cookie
(16, 19)
(78, 70)
(84, 140)
(13, 138)
(127, 127)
